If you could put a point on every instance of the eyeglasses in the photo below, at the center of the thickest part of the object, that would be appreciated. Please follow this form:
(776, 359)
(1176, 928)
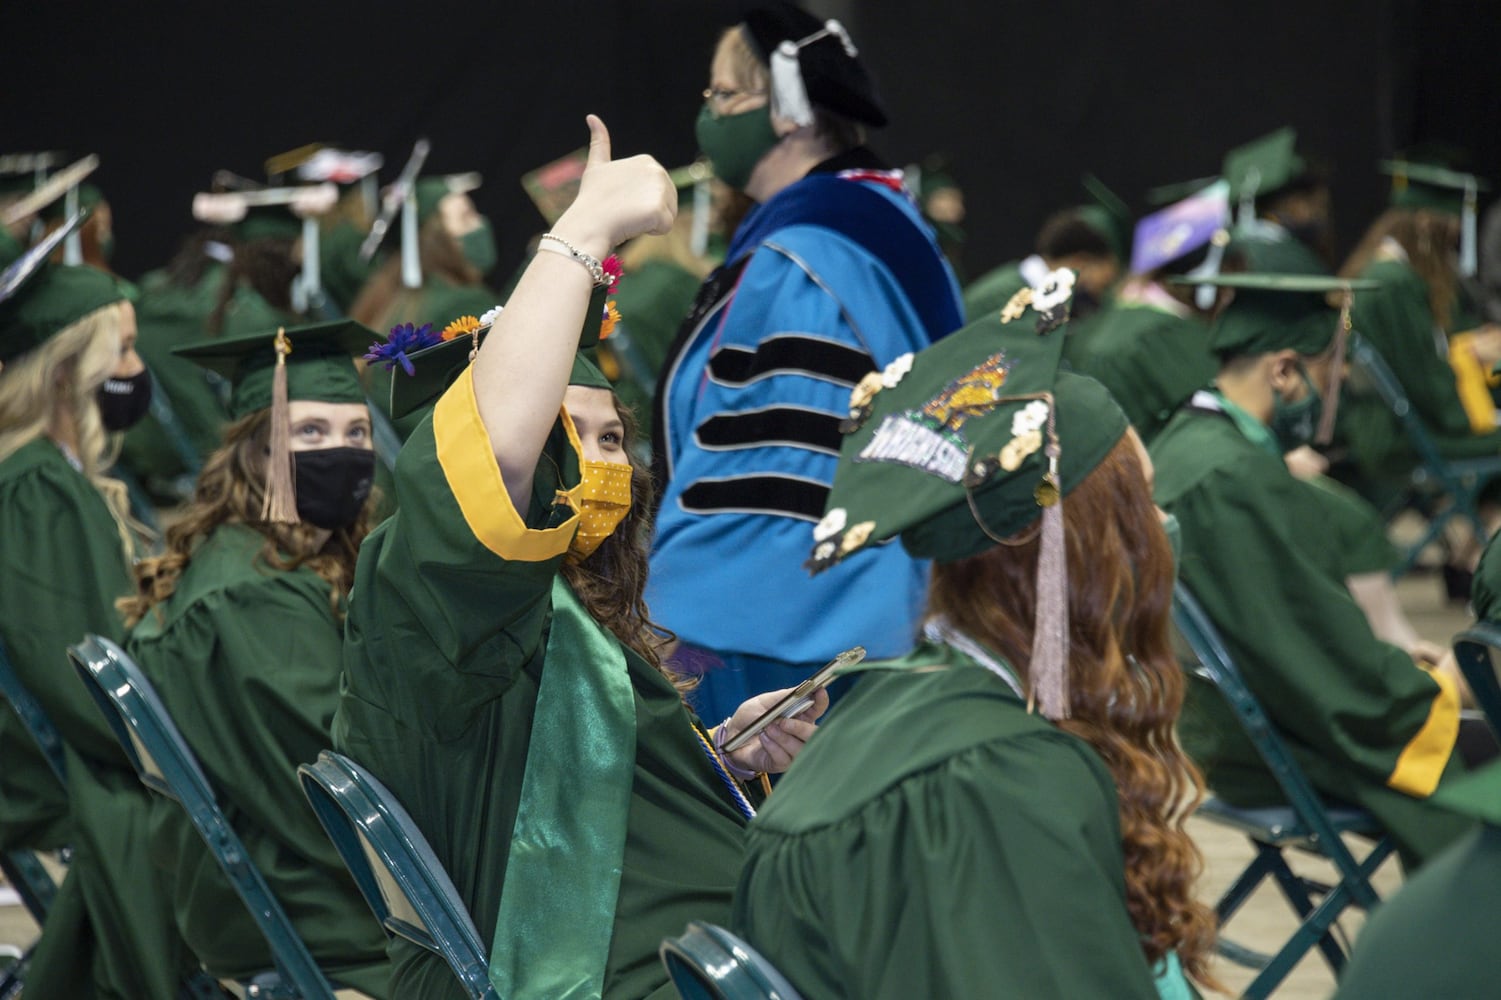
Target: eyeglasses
(718, 97)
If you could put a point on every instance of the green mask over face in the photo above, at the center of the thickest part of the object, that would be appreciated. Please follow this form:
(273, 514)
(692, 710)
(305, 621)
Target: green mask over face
(1293, 424)
(478, 246)
(735, 143)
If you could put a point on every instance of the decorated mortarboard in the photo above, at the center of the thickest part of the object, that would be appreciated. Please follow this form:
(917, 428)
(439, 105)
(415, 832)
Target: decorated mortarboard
(553, 186)
(62, 185)
(37, 300)
(280, 213)
(1439, 189)
(1107, 214)
(1261, 167)
(1166, 194)
(1182, 228)
(431, 360)
(1279, 312)
(967, 444)
(813, 63)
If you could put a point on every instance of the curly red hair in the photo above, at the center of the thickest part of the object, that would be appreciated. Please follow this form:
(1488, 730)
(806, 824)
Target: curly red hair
(1125, 684)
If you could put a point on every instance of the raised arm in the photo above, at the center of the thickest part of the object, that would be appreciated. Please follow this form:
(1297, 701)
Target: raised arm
(524, 365)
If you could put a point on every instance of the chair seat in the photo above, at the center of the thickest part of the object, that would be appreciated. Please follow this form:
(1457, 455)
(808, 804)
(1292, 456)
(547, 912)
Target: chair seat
(1279, 826)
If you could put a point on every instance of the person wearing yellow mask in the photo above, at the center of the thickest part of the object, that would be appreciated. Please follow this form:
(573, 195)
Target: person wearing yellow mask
(501, 674)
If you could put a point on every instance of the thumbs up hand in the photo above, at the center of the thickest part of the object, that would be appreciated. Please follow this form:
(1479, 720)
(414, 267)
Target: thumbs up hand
(617, 199)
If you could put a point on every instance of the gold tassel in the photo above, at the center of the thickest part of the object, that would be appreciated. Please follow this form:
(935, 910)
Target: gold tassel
(280, 506)
(1325, 433)
(1049, 667)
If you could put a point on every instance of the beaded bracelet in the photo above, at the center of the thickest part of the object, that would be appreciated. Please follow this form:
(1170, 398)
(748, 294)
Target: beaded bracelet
(558, 245)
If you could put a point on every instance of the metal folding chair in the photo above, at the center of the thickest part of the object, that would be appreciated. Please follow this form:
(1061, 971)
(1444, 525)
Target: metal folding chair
(709, 963)
(395, 868)
(167, 765)
(1305, 823)
(1443, 488)
(1477, 649)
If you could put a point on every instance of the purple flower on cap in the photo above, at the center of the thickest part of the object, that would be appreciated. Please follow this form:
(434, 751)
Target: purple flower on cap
(405, 340)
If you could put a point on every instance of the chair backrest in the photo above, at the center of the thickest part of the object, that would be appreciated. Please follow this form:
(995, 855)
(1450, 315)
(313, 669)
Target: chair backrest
(1478, 652)
(709, 963)
(33, 717)
(166, 764)
(1389, 387)
(395, 867)
(1216, 666)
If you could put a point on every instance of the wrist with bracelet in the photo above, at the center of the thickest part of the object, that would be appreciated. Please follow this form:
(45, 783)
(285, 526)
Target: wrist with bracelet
(592, 264)
(721, 736)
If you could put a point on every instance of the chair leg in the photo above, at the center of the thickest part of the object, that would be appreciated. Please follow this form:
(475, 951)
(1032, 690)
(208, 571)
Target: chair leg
(28, 876)
(1295, 890)
(15, 976)
(1435, 528)
(1245, 884)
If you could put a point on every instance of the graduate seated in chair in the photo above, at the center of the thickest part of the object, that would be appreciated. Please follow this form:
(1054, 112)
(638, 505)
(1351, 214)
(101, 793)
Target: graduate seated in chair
(1000, 812)
(1368, 724)
(502, 676)
(239, 628)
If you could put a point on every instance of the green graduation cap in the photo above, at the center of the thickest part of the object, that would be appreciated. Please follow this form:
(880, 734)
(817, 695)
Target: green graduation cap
(1166, 194)
(38, 300)
(319, 363)
(971, 441)
(1437, 188)
(1261, 167)
(430, 363)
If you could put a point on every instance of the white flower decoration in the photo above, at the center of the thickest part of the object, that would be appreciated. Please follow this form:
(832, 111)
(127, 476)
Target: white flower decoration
(824, 551)
(1055, 290)
(832, 524)
(1029, 418)
(896, 371)
(490, 316)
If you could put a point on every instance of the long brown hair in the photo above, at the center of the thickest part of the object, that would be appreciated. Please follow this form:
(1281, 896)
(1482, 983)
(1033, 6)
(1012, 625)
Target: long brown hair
(230, 490)
(385, 301)
(1126, 687)
(611, 583)
(1428, 238)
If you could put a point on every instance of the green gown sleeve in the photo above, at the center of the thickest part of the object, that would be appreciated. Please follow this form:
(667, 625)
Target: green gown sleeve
(452, 593)
(1485, 593)
(250, 673)
(62, 564)
(959, 882)
(1303, 646)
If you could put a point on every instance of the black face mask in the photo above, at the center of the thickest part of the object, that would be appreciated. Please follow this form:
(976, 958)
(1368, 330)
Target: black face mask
(124, 401)
(333, 485)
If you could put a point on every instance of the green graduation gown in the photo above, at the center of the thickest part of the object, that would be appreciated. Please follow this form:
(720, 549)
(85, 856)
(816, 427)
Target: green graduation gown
(1485, 592)
(1150, 359)
(1397, 321)
(246, 659)
(168, 315)
(991, 291)
(1365, 723)
(342, 272)
(63, 565)
(446, 646)
(937, 840)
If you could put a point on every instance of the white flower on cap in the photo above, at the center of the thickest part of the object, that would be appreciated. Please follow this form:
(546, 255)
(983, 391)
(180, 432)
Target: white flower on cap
(490, 316)
(1054, 291)
(1029, 418)
(832, 524)
(893, 373)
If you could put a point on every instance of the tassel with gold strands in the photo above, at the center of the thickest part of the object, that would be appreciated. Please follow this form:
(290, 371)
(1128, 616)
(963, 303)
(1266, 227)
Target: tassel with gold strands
(1325, 432)
(1049, 667)
(280, 506)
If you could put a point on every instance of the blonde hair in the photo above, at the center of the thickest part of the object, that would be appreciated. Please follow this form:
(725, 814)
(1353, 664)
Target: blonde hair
(66, 371)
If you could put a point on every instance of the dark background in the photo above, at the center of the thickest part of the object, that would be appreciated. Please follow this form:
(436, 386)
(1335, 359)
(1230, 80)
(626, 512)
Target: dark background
(1022, 98)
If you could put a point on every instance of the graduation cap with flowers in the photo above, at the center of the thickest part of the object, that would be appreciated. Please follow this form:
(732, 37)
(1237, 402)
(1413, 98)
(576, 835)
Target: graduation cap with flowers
(431, 360)
(975, 442)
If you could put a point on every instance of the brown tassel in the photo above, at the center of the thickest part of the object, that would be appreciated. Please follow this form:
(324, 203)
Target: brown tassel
(280, 506)
(1049, 667)
(1325, 433)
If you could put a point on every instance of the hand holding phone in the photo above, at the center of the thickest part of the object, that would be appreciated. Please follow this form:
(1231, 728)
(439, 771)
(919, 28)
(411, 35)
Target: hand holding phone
(796, 700)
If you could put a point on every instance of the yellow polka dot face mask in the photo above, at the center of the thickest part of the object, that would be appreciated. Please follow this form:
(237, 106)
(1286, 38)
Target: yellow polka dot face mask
(604, 499)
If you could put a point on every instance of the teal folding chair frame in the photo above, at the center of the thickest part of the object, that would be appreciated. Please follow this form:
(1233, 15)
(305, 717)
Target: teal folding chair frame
(167, 765)
(1472, 650)
(707, 962)
(395, 868)
(1305, 823)
(1435, 478)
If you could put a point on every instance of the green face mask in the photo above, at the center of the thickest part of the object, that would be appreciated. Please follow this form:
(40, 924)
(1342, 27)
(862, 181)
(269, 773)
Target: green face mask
(1293, 424)
(478, 246)
(735, 143)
